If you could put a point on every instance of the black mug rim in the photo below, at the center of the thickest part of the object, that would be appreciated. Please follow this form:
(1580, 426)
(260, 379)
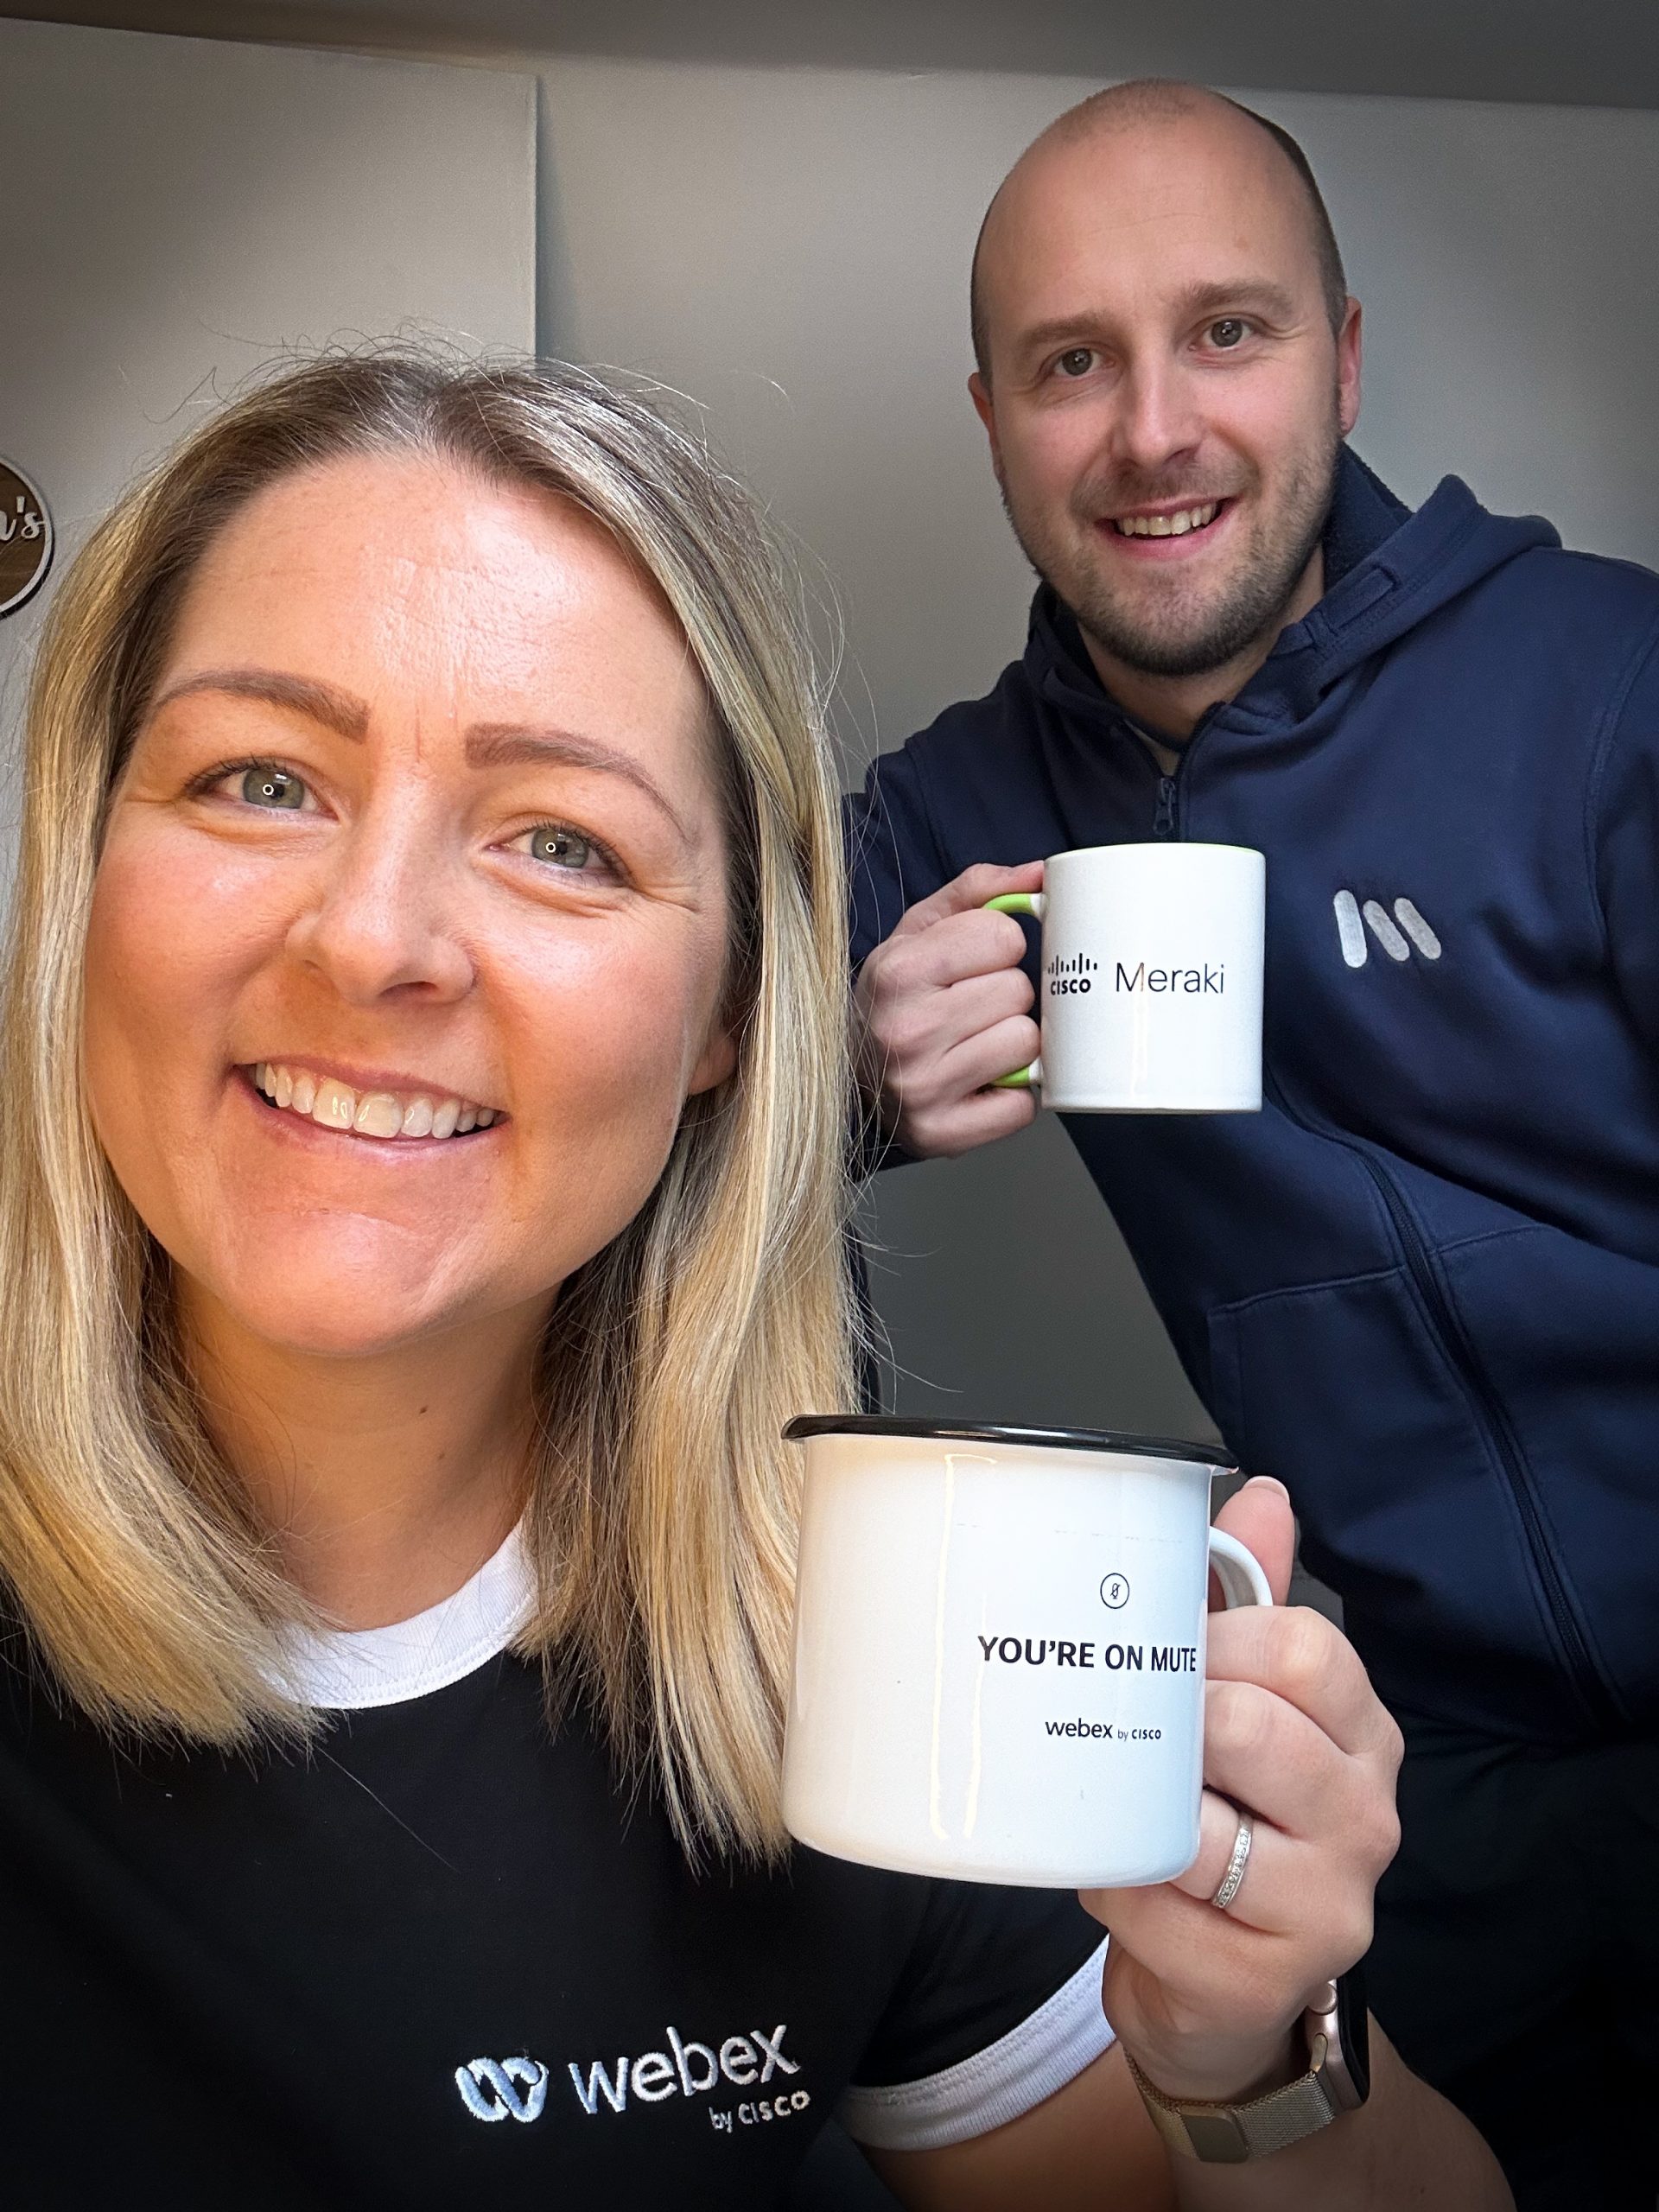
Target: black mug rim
(805, 1426)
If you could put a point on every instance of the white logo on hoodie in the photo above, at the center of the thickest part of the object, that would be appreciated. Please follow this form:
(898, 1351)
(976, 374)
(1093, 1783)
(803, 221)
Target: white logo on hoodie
(1351, 930)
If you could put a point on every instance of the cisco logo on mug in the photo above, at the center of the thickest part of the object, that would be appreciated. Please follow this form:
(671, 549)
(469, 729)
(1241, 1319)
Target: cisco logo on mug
(1071, 978)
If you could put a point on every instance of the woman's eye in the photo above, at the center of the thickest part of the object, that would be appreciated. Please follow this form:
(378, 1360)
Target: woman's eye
(1077, 362)
(561, 848)
(267, 786)
(1230, 330)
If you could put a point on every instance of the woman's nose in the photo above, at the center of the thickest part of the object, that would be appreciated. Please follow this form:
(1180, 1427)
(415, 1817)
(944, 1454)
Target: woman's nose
(384, 916)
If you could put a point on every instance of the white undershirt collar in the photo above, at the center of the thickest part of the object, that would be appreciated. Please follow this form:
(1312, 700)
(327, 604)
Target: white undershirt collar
(349, 1670)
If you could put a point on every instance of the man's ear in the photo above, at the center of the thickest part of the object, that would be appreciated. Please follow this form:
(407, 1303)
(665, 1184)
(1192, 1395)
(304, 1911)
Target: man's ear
(979, 392)
(1348, 360)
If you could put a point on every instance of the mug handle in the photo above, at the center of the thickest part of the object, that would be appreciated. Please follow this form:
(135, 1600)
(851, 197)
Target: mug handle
(1238, 1571)
(1018, 902)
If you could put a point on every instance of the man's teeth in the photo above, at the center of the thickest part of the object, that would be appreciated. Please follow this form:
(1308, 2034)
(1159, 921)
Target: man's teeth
(336, 1105)
(1175, 526)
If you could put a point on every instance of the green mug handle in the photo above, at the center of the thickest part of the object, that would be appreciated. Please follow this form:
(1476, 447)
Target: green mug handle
(1031, 903)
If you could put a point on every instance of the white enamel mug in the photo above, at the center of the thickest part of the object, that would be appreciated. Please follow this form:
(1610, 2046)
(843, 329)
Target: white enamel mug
(1150, 993)
(1000, 1651)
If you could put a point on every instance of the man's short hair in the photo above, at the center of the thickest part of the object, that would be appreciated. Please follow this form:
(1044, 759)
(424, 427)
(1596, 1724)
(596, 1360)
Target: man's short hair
(1159, 96)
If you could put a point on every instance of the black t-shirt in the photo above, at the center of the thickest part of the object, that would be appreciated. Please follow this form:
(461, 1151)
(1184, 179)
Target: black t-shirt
(435, 1958)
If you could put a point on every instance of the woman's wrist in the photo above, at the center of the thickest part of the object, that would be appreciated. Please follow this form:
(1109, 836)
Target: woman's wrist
(1208, 2073)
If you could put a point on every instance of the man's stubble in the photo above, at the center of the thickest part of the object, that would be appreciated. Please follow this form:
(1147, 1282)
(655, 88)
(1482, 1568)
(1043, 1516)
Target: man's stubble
(1248, 608)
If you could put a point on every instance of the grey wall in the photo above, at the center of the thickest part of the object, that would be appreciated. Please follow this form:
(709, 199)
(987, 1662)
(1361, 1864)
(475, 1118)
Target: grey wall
(792, 246)
(174, 213)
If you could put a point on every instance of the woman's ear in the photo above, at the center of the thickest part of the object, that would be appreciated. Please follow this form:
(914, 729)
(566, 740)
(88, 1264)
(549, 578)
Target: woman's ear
(715, 1063)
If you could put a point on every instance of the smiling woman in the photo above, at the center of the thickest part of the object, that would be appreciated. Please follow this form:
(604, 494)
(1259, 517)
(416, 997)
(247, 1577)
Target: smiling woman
(421, 1207)
(289, 788)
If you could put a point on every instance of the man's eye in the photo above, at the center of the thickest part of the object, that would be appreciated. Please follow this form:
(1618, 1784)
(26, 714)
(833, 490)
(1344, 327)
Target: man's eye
(561, 848)
(1077, 362)
(1230, 330)
(269, 786)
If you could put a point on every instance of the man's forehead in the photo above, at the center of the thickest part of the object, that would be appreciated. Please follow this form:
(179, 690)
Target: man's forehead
(1201, 128)
(1179, 198)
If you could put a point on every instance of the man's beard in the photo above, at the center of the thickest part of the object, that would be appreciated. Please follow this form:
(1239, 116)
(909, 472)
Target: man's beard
(1165, 637)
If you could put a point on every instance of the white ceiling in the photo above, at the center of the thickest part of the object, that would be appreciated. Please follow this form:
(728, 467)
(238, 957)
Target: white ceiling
(1594, 53)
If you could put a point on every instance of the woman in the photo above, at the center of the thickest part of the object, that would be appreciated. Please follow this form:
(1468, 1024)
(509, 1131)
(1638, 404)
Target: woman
(423, 1106)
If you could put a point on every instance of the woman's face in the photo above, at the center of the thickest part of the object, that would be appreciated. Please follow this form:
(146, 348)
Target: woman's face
(423, 820)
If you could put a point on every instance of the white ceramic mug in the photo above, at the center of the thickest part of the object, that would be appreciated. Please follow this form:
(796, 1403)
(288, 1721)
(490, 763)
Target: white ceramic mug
(1150, 996)
(999, 1649)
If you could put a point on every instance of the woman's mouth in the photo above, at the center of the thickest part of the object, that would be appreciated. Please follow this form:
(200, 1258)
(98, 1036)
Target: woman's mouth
(385, 1114)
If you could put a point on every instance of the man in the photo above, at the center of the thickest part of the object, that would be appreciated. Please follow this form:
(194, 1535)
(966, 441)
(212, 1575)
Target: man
(1422, 1285)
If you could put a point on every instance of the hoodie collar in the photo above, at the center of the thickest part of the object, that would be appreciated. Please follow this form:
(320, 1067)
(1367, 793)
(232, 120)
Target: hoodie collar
(1386, 569)
(1364, 514)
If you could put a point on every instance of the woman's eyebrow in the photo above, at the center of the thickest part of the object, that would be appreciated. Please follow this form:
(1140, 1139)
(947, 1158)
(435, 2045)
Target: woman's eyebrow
(505, 745)
(338, 710)
(489, 744)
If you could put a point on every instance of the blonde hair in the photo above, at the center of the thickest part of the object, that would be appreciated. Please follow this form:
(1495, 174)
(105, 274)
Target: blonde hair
(662, 1505)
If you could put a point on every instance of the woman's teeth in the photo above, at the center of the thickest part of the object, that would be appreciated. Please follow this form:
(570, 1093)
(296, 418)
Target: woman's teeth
(334, 1105)
(1175, 526)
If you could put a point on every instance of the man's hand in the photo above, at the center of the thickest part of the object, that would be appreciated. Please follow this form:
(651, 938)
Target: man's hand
(1207, 2001)
(945, 1009)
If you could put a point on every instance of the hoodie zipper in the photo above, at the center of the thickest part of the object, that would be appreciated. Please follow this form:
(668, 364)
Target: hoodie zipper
(1166, 816)
(1490, 1417)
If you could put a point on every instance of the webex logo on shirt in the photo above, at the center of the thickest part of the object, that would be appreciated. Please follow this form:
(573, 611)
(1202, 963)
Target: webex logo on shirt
(516, 2088)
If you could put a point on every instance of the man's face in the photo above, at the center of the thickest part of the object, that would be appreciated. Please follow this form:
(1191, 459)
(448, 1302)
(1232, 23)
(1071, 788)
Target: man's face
(1166, 395)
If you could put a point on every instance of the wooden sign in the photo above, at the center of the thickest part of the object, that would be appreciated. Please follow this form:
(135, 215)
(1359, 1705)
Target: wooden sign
(25, 538)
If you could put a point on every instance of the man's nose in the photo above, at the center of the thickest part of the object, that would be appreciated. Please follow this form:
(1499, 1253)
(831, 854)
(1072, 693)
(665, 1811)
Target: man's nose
(1158, 419)
(384, 916)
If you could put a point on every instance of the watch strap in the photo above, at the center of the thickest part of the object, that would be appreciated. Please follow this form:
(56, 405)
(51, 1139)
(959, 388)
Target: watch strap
(1230, 2134)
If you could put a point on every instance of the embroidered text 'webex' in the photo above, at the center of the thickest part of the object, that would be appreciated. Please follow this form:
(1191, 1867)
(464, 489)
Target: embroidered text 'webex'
(692, 2071)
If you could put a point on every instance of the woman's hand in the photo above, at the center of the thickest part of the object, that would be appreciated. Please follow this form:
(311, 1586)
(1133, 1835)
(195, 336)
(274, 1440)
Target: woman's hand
(1207, 2002)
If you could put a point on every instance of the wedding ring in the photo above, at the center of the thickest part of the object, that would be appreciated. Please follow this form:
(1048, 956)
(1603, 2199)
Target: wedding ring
(1235, 1864)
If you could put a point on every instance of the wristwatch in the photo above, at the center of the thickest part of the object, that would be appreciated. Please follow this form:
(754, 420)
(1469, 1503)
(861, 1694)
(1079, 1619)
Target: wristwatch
(1338, 2080)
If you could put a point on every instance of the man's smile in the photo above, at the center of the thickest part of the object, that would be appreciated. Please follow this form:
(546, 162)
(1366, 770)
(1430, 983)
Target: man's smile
(1170, 530)
(1167, 522)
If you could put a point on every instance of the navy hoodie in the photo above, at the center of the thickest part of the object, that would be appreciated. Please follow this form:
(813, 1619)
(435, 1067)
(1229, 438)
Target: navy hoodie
(1422, 1285)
